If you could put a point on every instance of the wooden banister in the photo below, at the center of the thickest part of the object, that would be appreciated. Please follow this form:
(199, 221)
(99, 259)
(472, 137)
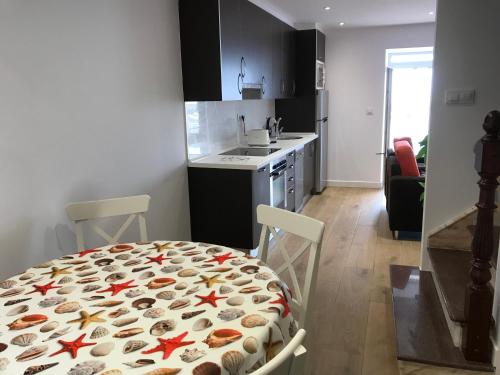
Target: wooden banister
(476, 344)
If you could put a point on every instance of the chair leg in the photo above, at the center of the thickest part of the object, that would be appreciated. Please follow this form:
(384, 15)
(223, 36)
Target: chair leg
(395, 234)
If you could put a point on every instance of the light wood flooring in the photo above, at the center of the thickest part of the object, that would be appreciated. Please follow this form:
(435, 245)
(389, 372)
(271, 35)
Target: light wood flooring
(353, 331)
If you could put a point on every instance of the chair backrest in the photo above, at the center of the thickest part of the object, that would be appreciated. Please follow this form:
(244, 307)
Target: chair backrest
(311, 230)
(290, 361)
(81, 212)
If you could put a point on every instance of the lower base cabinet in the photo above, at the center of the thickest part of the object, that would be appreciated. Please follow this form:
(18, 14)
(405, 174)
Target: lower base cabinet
(223, 204)
(309, 166)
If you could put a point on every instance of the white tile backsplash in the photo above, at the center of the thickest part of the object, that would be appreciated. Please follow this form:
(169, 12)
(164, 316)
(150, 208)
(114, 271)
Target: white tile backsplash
(214, 126)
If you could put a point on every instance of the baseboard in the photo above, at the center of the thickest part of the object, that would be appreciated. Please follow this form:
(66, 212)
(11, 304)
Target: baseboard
(355, 184)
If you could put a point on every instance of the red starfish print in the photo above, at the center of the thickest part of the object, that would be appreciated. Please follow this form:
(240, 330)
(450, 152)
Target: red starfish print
(167, 346)
(88, 251)
(282, 300)
(72, 346)
(117, 288)
(159, 259)
(43, 289)
(221, 258)
(211, 299)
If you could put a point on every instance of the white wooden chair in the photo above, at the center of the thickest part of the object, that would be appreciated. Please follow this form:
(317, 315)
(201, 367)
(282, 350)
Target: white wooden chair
(289, 361)
(134, 206)
(311, 230)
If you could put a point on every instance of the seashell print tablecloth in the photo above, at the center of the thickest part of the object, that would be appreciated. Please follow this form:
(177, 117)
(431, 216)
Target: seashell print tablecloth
(144, 308)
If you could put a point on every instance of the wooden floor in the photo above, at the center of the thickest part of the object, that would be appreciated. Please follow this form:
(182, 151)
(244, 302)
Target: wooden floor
(353, 331)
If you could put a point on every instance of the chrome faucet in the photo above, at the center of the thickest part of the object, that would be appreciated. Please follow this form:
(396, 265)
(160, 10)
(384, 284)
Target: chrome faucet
(273, 127)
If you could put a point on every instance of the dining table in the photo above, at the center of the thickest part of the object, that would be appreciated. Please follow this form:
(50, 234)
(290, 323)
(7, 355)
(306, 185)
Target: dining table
(155, 308)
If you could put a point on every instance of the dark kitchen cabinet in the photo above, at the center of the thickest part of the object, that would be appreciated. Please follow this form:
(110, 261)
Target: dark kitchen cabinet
(311, 44)
(299, 178)
(257, 46)
(309, 167)
(228, 46)
(283, 60)
(223, 204)
(210, 33)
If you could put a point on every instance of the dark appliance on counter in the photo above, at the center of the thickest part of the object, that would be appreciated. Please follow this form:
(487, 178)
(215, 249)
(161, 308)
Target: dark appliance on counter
(308, 111)
(248, 151)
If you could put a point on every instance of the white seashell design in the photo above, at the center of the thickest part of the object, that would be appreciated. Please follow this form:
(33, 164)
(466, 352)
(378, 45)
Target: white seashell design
(49, 326)
(133, 345)
(66, 290)
(154, 313)
(26, 339)
(230, 314)
(58, 334)
(4, 362)
(167, 295)
(163, 326)
(103, 349)
(235, 301)
(232, 361)
(191, 355)
(18, 310)
(251, 345)
(202, 324)
(253, 320)
(51, 301)
(181, 286)
(67, 307)
(99, 332)
(132, 293)
(7, 284)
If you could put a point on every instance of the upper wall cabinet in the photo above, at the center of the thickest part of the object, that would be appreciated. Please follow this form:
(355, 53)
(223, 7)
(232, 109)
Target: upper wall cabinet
(232, 49)
(311, 44)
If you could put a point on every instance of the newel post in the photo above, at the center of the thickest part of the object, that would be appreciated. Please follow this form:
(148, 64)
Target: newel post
(476, 343)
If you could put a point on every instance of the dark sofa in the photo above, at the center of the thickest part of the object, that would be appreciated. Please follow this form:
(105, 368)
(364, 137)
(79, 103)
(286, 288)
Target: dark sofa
(402, 195)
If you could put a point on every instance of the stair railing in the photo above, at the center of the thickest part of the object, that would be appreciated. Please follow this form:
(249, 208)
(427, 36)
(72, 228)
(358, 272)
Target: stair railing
(476, 343)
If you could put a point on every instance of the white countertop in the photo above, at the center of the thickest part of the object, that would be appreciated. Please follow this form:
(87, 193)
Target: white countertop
(252, 162)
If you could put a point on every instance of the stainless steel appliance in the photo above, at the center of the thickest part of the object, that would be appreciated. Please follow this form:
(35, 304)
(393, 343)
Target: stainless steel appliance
(277, 178)
(320, 75)
(322, 142)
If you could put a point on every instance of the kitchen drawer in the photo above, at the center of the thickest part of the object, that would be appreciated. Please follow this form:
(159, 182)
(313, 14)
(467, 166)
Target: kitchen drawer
(290, 199)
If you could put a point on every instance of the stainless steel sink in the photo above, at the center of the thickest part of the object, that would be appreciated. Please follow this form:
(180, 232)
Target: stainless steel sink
(288, 138)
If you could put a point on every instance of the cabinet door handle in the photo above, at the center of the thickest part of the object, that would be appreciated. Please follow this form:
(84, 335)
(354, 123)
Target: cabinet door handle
(291, 179)
(263, 80)
(240, 77)
(263, 169)
(291, 191)
(291, 167)
(243, 67)
(293, 88)
(282, 86)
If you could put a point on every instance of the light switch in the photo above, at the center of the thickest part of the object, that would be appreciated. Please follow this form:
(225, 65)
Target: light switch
(460, 97)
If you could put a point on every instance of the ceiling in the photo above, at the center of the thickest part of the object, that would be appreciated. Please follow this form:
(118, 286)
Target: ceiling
(354, 13)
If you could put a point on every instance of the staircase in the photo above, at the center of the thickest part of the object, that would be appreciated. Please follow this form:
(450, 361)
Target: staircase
(443, 317)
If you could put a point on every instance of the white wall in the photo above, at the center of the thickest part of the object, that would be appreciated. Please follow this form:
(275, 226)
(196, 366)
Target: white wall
(214, 126)
(355, 73)
(466, 57)
(91, 107)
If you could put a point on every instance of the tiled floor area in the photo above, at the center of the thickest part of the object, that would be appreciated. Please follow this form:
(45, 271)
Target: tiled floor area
(353, 331)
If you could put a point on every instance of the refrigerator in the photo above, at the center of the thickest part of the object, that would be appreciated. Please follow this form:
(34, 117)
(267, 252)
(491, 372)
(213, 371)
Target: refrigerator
(309, 114)
(322, 142)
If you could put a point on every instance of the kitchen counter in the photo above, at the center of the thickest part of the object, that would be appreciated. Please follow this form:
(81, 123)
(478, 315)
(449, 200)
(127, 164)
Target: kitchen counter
(253, 162)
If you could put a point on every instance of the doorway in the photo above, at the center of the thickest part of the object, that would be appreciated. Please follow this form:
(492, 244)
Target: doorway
(408, 94)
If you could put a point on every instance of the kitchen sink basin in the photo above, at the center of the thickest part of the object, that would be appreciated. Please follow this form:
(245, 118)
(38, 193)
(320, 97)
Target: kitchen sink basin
(288, 138)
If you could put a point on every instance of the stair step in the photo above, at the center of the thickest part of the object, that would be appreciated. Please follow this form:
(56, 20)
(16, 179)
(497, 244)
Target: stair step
(422, 334)
(451, 270)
